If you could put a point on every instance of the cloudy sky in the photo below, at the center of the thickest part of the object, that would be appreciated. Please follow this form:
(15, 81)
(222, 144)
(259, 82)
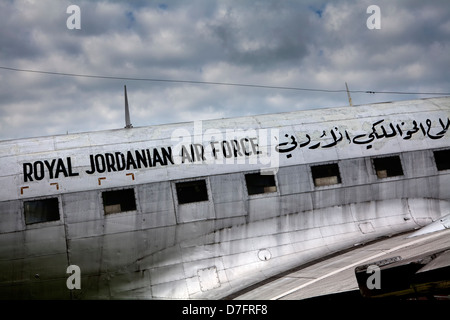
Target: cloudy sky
(297, 44)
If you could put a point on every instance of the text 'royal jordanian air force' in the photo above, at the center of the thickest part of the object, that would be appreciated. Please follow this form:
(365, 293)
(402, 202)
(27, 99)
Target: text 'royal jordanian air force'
(212, 152)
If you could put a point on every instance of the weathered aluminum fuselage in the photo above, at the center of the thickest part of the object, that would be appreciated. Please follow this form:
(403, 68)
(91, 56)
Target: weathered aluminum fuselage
(328, 193)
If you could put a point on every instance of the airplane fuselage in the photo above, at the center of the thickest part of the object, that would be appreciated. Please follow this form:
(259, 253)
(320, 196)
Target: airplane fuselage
(201, 210)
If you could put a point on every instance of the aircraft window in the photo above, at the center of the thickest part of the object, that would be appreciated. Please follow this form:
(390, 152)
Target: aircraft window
(388, 167)
(326, 175)
(191, 191)
(43, 210)
(442, 158)
(119, 201)
(258, 183)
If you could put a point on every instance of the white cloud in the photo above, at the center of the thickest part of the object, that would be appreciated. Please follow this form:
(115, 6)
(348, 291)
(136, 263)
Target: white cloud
(305, 44)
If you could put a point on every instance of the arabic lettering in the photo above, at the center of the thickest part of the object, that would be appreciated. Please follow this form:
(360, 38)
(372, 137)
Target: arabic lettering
(380, 130)
(291, 146)
(335, 139)
(441, 133)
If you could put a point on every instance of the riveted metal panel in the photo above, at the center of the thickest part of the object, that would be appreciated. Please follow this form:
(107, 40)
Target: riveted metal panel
(207, 249)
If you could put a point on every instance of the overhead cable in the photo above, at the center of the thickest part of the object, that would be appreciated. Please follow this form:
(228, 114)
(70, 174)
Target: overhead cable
(213, 83)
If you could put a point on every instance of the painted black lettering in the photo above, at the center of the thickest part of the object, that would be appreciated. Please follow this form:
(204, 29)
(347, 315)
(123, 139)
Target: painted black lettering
(244, 143)
(130, 161)
(27, 171)
(236, 148)
(226, 151)
(149, 158)
(92, 170)
(255, 146)
(141, 159)
(110, 162)
(120, 161)
(200, 151)
(38, 170)
(50, 167)
(185, 155)
(167, 155)
(157, 158)
(61, 168)
(100, 163)
(69, 166)
(197, 152)
(192, 153)
(214, 151)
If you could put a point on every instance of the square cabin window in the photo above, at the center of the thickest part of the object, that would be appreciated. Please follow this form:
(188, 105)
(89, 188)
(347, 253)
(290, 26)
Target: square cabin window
(326, 175)
(442, 159)
(191, 191)
(388, 167)
(43, 210)
(258, 183)
(119, 201)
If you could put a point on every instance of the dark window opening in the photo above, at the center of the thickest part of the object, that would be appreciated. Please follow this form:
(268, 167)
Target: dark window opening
(388, 167)
(119, 201)
(326, 175)
(442, 158)
(191, 191)
(258, 183)
(44, 210)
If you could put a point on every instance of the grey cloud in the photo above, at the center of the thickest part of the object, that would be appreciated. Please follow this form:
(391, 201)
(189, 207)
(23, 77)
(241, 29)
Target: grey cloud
(262, 38)
(310, 44)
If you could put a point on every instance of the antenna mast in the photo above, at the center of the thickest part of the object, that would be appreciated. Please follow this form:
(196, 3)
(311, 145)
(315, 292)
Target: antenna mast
(348, 94)
(127, 111)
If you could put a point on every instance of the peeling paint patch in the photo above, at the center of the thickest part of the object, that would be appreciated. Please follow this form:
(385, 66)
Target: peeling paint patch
(208, 278)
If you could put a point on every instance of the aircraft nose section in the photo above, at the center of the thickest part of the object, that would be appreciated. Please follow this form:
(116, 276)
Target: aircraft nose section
(438, 225)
